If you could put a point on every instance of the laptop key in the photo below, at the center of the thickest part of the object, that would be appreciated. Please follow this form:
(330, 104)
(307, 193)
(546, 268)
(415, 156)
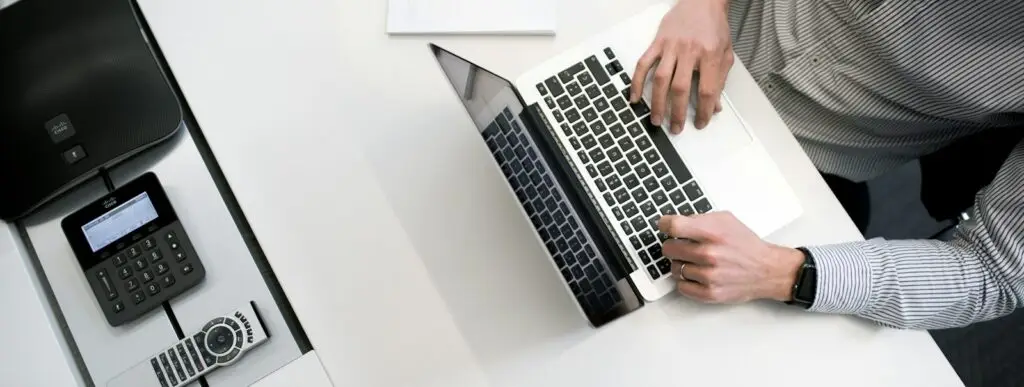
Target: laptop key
(589, 115)
(613, 182)
(635, 130)
(627, 116)
(653, 221)
(668, 183)
(558, 116)
(618, 103)
(639, 195)
(595, 67)
(664, 266)
(643, 143)
(597, 155)
(631, 181)
(575, 143)
(614, 67)
(660, 169)
(541, 89)
(605, 168)
(622, 196)
(566, 130)
(592, 171)
(610, 91)
(625, 144)
(606, 141)
(626, 228)
(608, 53)
(579, 128)
(644, 257)
(639, 223)
(647, 237)
(630, 209)
(614, 155)
(554, 86)
(625, 79)
(583, 156)
(574, 89)
(693, 191)
(668, 210)
(659, 198)
(566, 274)
(550, 102)
(572, 115)
(564, 102)
(652, 156)
(648, 209)
(642, 171)
(686, 210)
(592, 91)
(677, 197)
(567, 74)
(598, 128)
(588, 141)
(601, 104)
(617, 131)
(651, 184)
(581, 101)
(655, 252)
(654, 272)
(585, 79)
(636, 243)
(702, 206)
(618, 213)
(609, 117)
(600, 185)
(641, 109)
(623, 167)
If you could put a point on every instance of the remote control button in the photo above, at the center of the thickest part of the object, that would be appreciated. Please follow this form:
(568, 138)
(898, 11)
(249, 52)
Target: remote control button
(238, 338)
(186, 269)
(175, 245)
(220, 340)
(138, 297)
(230, 356)
(177, 365)
(120, 260)
(167, 369)
(118, 307)
(168, 280)
(191, 345)
(140, 264)
(170, 237)
(184, 360)
(180, 256)
(125, 272)
(153, 289)
(155, 255)
(162, 268)
(149, 244)
(233, 324)
(159, 372)
(134, 251)
(200, 341)
(132, 284)
(211, 323)
(108, 285)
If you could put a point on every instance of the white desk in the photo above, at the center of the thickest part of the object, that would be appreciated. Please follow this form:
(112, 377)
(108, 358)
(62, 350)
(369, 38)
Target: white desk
(359, 172)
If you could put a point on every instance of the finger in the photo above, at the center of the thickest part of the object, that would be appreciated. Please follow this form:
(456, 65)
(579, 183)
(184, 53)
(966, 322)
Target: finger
(662, 81)
(707, 91)
(643, 66)
(690, 272)
(718, 105)
(698, 254)
(694, 290)
(681, 93)
(693, 228)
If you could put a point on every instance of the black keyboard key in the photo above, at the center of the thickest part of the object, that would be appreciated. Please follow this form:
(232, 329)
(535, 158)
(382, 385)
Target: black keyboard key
(597, 127)
(597, 155)
(591, 272)
(548, 182)
(661, 170)
(647, 237)
(580, 128)
(639, 223)
(552, 205)
(664, 266)
(668, 183)
(631, 181)
(630, 209)
(585, 79)
(576, 290)
(566, 130)
(634, 157)
(592, 91)
(614, 67)
(659, 197)
(574, 89)
(636, 243)
(677, 197)
(614, 155)
(605, 168)
(613, 182)
(550, 102)
(577, 272)
(608, 53)
(610, 91)
(653, 271)
(558, 116)
(644, 257)
(606, 141)
(685, 209)
(626, 144)
(583, 156)
(541, 89)
(601, 104)
(623, 167)
(627, 116)
(625, 78)
(566, 274)
(652, 156)
(581, 101)
(641, 109)
(589, 115)
(572, 115)
(642, 171)
(617, 131)
(592, 171)
(575, 143)
(653, 221)
(702, 206)
(554, 86)
(575, 245)
(622, 195)
(635, 130)
(626, 228)
(588, 141)
(568, 74)
(648, 209)
(693, 191)
(564, 102)
(639, 195)
(668, 210)
(655, 251)
(595, 68)
(618, 103)
(651, 184)
(609, 117)
(643, 143)
(618, 213)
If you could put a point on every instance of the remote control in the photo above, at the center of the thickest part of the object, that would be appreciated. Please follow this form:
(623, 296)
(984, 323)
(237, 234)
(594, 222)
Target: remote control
(221, 342)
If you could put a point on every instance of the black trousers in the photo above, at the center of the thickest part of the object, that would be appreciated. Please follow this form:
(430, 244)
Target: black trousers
(854, 197)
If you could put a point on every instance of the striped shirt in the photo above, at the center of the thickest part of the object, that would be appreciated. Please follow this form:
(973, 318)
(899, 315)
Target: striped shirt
(868, 85)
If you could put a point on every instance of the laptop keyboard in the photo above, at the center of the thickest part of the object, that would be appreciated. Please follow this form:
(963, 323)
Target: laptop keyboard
(637, 172)
(558, 226)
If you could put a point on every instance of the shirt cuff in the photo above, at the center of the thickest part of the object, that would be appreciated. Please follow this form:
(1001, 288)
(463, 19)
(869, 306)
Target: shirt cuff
(844, 278)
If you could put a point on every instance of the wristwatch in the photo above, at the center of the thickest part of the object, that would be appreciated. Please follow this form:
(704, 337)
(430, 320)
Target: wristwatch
(806, 285)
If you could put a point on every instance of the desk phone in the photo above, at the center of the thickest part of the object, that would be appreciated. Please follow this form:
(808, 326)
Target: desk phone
(133, 250)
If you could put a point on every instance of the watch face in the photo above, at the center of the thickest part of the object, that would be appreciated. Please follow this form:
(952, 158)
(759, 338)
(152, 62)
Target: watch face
(808, 285)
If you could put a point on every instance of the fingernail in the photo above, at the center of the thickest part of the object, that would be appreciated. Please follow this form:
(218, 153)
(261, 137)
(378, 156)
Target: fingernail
(700, 124)
(677, 128)
(656, 120)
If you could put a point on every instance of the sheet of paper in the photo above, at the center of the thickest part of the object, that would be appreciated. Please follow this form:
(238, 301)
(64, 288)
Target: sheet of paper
(519, 17)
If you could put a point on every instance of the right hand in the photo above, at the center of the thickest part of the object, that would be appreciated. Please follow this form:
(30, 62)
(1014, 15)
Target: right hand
(693, 36)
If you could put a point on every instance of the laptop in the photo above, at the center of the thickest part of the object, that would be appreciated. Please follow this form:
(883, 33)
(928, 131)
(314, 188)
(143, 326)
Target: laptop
(594, 176)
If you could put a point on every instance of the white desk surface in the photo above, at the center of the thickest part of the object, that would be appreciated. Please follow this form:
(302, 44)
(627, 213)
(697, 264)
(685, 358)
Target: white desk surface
(359, 172)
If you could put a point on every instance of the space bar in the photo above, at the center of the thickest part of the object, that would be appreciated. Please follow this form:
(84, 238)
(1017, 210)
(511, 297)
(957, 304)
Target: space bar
(667, 151)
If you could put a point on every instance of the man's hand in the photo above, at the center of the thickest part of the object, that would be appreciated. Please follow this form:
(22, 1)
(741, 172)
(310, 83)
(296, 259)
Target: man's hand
(724, 262)
(693, 36)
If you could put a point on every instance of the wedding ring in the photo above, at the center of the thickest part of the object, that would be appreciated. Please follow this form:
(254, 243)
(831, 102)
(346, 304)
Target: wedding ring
(681, 276)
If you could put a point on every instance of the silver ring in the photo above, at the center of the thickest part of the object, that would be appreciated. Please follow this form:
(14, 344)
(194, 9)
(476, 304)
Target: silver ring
(681, 276)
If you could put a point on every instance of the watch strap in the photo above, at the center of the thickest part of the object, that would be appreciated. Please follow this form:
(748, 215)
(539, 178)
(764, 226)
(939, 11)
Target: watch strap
(805, 286)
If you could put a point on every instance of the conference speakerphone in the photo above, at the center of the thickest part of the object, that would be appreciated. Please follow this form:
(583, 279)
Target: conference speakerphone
(133, 250)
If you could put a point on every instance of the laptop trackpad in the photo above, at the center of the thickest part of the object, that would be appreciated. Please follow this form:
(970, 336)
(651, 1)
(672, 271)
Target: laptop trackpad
(724, 137)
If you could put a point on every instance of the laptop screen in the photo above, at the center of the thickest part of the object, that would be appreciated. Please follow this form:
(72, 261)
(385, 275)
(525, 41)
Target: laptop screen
(505, 126)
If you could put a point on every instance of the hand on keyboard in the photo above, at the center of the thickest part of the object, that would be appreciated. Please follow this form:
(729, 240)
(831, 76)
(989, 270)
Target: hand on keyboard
(723, 261)
(693, 36)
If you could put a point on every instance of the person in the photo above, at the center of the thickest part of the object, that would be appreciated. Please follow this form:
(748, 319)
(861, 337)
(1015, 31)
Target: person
(865, 86)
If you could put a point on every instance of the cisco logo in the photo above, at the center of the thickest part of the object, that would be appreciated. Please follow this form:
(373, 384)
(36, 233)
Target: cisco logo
(60, 128)
(110, 202)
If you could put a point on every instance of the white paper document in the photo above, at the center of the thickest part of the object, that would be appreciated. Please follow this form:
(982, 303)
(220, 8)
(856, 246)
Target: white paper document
(463, 17)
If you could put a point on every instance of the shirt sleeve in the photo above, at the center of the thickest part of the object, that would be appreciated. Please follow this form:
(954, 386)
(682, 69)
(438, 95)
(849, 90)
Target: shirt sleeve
(930, 284)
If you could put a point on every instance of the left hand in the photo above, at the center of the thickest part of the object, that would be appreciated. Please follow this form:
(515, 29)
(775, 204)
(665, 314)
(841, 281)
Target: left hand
(723, 261)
